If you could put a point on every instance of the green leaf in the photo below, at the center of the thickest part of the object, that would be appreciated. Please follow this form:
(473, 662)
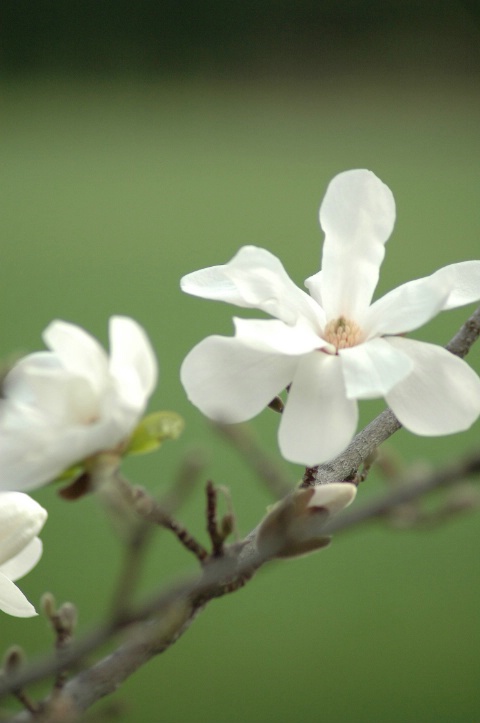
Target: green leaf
(153, 430)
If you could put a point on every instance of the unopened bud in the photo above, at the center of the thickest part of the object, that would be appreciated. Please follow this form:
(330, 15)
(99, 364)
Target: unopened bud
(68, 617)
(48, 604)
(13, 659)
(227, 525)
(333, 497)
(293, 526)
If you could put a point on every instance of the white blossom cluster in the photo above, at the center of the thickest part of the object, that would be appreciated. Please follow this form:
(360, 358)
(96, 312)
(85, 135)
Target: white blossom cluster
(59, 408)
(67, 405)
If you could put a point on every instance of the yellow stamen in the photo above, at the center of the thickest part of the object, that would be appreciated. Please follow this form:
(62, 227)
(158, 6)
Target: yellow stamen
(342, 333)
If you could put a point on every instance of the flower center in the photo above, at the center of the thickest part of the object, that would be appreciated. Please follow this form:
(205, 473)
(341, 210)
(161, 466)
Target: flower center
(342, 333)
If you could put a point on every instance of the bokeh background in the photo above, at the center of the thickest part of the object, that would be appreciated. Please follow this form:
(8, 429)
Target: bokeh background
(142, 140)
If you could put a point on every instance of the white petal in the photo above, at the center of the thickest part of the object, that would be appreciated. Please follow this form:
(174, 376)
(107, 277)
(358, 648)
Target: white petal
(79, 352)
(26, 379)
(21, 519)
(36, 449)
(132, 361)
(314, 286)
(29, 457)
(462, 281)
(318, 421)
(25, 561)
(440, 396)
(33, 455)
(13, 601)
(334, 497)
(40, 382)
(254, 278)
(413, 304)
(357, 215)
(270, 335)
(371, 369)
(230, 382)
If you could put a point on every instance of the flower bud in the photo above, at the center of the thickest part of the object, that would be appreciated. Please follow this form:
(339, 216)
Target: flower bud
(13, 659)
(68, 617)
(293, 526)
(48, 604)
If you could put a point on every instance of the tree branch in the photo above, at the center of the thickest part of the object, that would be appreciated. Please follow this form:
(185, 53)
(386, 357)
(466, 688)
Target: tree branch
(156, 624)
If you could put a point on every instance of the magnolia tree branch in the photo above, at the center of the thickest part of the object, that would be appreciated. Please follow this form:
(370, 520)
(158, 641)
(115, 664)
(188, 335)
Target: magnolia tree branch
(155, 625)
(160, 621)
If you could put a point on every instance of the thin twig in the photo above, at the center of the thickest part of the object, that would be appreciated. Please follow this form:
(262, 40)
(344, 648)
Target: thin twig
(221, 576)
(176, 607)
(406, 492)
(212, 521)
(27, 701)
(151, 510)
(466, 336)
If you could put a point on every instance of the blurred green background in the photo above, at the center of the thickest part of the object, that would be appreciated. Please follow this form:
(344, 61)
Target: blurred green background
(140, 141)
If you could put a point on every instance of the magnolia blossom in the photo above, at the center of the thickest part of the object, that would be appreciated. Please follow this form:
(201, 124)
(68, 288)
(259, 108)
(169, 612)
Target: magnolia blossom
(335, 346)
(62, 406)
(21, 519)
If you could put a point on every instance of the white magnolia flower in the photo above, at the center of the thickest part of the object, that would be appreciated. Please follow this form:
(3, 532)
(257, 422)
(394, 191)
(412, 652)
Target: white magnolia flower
(21, 519)
(335, 346)
(62, 406)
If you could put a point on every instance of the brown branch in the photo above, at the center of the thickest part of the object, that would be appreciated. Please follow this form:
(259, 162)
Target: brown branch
(167, 615)
(152, 511)
(407, 492)
(155, 625)
(466, 336)
(159, 622)
(216, 538)
(174, 610)
(141, 529)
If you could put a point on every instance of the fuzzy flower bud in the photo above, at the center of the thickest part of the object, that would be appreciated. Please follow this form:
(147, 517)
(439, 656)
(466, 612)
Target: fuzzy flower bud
(293, 526)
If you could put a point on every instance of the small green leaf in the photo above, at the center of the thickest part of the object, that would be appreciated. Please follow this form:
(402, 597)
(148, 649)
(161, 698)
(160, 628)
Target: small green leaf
(153, 430)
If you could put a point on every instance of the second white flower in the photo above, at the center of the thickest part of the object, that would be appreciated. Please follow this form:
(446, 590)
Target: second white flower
(62, 406)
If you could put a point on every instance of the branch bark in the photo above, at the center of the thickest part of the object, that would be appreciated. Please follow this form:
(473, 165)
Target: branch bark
(154, 626)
